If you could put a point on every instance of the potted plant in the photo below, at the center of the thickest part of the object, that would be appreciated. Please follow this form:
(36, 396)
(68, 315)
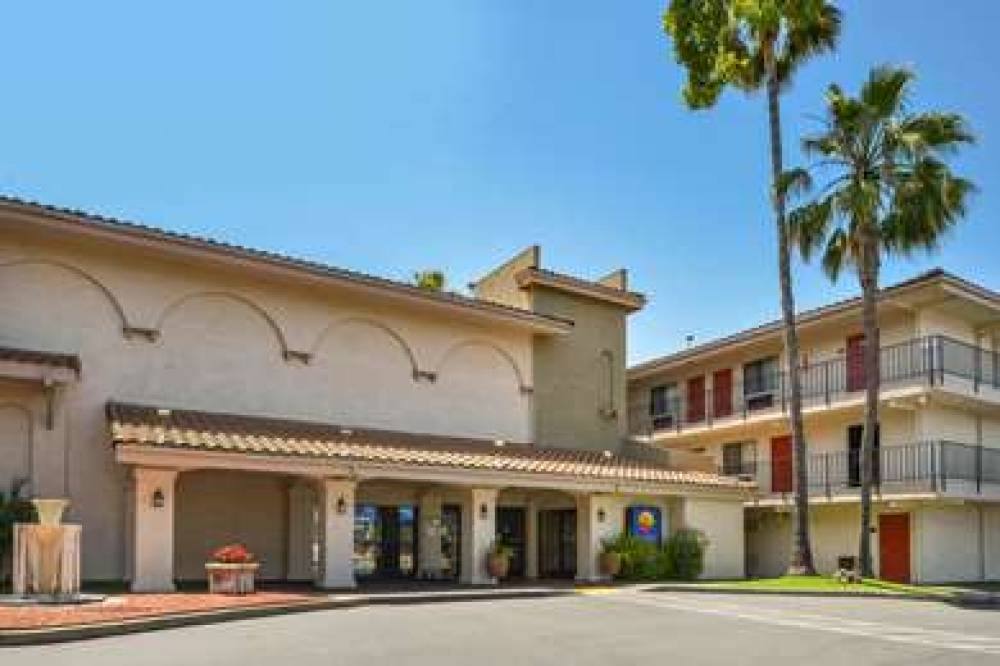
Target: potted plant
(610, 560)
(231, 570)
(498, 559)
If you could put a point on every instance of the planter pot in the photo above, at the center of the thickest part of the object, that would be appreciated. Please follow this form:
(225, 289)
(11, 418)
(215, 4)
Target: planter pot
(498, 565)
(610, 564)
(226, 578)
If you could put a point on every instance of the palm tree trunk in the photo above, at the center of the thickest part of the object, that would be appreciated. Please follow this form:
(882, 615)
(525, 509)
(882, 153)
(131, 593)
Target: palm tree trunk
(868, 276)
(802, 560)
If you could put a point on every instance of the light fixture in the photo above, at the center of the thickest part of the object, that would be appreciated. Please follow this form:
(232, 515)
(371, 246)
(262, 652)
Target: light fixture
(499, 443)
(601, 515)
(484, 511)
(341, 505)
(159, 501)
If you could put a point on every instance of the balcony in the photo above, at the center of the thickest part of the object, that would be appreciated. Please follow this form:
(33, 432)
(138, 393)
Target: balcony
(933, 361)
(925, 467)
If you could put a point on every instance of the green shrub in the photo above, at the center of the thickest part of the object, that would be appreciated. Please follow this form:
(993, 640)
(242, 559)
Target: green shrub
(681, 557)
(685, 549)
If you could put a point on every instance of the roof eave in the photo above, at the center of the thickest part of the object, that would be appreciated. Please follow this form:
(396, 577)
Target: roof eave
(955, 284)
(139, 236)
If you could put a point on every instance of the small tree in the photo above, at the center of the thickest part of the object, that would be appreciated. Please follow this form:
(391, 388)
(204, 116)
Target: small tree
(432, 280)
(887, 191)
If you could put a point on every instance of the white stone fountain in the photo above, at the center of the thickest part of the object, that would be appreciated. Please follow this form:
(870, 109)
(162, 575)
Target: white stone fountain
(47, 556)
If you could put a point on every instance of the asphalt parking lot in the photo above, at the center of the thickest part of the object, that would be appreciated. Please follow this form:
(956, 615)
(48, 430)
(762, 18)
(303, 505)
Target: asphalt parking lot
(616, 627)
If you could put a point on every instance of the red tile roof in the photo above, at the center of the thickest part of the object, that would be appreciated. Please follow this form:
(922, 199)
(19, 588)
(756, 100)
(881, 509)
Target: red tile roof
(139, 425)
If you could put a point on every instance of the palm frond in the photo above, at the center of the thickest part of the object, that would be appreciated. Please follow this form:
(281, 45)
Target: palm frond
(809, 226)
(793, 183)
(886, 91)
(836, 255)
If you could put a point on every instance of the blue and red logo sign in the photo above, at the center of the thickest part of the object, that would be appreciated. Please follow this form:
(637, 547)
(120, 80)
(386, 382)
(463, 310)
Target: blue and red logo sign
(644, 523)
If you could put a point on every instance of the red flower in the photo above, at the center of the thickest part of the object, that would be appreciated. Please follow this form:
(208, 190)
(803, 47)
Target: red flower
(234, 553)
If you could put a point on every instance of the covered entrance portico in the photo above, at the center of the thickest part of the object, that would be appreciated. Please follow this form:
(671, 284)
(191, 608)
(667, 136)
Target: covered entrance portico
(336, 506)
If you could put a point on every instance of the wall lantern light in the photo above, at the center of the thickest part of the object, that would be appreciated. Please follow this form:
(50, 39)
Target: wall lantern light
(484, 511)
(341, 505)
(601, 515)
(159, 501)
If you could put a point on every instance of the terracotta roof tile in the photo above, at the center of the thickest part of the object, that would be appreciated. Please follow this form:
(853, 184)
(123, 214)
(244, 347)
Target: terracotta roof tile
(140, 425)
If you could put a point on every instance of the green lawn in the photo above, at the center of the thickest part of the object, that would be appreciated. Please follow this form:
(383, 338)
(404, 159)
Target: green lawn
(831, 584)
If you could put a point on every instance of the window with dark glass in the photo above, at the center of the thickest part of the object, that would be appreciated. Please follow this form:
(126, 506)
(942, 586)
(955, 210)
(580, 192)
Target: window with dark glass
(663, 405)
(760, 382)
(732, 459)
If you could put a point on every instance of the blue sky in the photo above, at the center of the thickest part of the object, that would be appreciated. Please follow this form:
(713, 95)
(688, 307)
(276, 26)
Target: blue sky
(389, 137)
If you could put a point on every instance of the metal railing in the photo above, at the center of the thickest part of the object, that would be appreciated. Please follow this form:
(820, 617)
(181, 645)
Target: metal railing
(938, 466)
(930, 361)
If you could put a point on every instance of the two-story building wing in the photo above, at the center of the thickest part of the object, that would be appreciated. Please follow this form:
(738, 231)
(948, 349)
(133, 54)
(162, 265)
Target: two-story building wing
(184, 394)
(937, 466)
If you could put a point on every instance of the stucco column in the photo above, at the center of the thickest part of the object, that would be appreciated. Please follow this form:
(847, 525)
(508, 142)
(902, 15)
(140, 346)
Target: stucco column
(479, 531)
(429, 541)
(531, 539)
(336, 532)
(301, 531)
(153, 529)
(593, 525)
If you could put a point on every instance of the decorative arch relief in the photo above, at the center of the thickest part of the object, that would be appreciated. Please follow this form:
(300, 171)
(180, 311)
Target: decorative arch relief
(156, 333)
(79, 273)
(522, 386)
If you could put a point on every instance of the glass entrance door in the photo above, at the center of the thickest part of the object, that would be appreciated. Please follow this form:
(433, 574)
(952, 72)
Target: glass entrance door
(510, 532)
(557, 543)
(385, 541)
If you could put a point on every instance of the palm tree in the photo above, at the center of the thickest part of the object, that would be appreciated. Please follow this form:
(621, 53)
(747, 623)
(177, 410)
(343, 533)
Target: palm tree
(432, 280)
(752, 45)
(888, 192)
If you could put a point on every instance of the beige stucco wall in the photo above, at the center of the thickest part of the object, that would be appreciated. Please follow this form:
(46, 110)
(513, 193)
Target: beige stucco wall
(722, 524)
(215, 508)
(991, 541)
(220, 347)
(947, 541)
(580, 379)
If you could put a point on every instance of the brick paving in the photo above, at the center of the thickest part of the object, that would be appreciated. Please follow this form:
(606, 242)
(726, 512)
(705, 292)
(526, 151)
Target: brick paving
(118, 607)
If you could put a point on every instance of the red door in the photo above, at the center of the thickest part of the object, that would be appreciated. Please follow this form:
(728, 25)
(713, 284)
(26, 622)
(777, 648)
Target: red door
(894, 547)
(781, 464)
(856, 362)
(722, 393)
(696, 399)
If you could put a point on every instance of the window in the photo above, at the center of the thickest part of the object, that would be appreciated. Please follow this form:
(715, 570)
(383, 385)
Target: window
(855, 433)
(739, 458)
(760, 381)
(732, 459)
(663, 405)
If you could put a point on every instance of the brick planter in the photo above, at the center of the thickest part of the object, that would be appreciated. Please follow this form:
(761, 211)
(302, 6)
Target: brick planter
(226, 578)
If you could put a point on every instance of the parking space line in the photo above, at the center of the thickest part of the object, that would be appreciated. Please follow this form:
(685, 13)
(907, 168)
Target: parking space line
(819, 622)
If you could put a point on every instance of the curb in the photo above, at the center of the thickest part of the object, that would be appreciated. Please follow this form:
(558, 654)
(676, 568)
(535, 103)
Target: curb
(50, 635)
(969, 599)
